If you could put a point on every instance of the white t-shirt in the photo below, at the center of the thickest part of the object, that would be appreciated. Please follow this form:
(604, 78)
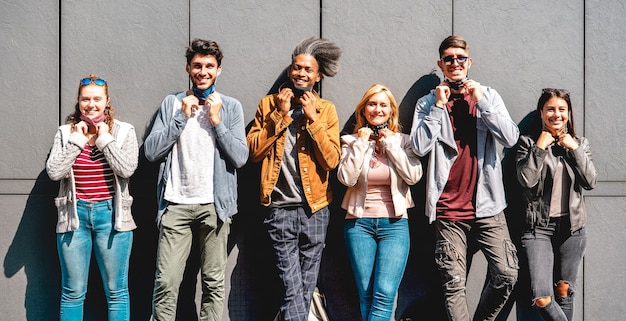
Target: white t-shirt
(191, 176)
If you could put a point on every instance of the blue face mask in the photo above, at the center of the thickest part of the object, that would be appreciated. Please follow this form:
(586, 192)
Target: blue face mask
(203, 94)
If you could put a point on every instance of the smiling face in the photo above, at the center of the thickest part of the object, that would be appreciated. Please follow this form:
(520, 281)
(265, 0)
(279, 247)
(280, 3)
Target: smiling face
(555, 114)
(378, 109)
(92, 100)
(304, 71)
(203, 70)
(452, 68)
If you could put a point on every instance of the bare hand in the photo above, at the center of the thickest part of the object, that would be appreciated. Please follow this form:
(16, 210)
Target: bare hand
(284, 100)
(309, 106)
(566, 141)
(474, 89)
(215, 102)
(385, 132)
(190, 105)
(545, 139)
(365, 133)
(82, 128)
(102, 128)
(442, 93)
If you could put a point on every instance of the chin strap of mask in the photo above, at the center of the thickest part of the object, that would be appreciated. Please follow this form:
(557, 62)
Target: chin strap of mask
(455, 85)
(376, 129)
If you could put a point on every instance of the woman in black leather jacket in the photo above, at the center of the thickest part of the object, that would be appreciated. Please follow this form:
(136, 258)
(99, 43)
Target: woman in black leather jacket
(553, 167)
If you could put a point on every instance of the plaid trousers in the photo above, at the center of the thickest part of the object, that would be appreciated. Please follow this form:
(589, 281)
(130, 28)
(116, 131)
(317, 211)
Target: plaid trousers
(298, 238)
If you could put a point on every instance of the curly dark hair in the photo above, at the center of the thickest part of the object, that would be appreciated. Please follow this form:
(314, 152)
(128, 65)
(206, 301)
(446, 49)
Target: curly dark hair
(204, 47)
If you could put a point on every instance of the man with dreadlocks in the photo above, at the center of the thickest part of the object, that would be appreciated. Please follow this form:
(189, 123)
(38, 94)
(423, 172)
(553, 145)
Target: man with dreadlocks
(295, 136)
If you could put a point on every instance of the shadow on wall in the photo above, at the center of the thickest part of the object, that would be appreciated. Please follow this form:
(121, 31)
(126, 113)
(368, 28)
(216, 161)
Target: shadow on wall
(256, 276)
(521, 296)
(255, 290)
(34, 249)
(420, 289)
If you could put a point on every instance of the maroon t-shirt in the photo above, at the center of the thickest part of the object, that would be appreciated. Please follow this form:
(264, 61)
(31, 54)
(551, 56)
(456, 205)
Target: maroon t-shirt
(457, 202)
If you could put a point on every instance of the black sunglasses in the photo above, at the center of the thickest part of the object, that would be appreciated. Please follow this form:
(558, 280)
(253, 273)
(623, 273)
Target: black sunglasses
(449, 60)
(97, 81)
(562, 92)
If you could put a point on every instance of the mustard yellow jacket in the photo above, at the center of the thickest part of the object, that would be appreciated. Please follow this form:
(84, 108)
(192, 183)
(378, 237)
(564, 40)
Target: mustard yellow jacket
(318, 149)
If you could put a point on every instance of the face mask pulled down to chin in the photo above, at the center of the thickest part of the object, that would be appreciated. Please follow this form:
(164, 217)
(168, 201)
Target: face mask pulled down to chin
(91, 122)
(298, 91)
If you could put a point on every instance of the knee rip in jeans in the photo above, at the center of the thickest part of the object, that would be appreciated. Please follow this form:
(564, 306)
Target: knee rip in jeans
(542, 302)
(563, 290)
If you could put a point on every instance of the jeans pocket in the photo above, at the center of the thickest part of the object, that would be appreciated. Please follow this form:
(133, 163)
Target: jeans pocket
(62, 208)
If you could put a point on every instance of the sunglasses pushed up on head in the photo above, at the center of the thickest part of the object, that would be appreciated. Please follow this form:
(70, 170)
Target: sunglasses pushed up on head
(97, 81)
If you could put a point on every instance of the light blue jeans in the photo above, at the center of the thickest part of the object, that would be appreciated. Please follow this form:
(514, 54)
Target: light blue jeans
(112, 253)
(378, 249)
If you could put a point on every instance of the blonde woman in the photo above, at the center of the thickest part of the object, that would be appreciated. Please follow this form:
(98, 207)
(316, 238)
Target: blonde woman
(377, 165)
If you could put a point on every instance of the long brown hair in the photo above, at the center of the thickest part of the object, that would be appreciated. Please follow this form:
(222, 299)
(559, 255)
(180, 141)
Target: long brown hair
(392, 123)
(548, 93)
(109, 111)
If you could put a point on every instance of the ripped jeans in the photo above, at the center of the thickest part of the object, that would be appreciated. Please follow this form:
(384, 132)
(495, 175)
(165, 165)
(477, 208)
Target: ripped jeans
(554, 255)
(454, 240)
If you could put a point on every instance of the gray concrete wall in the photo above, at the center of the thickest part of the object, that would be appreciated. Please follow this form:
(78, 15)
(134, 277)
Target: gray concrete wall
(518, 47)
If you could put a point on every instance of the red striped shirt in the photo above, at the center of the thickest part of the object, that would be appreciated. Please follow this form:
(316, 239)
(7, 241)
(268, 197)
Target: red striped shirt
(93, 175)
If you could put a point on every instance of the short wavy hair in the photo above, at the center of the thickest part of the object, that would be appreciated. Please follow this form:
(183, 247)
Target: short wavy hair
(203, 47)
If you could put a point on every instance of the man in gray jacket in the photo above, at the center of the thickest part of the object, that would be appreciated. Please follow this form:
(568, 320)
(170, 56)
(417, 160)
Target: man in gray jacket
(199, 137)
(456, 126)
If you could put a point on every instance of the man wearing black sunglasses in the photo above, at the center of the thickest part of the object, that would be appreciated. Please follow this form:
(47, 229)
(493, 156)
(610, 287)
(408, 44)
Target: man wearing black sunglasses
(457, 126)
(199, 137)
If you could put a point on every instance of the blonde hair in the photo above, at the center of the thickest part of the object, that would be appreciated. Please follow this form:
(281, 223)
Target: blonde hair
(392, 123)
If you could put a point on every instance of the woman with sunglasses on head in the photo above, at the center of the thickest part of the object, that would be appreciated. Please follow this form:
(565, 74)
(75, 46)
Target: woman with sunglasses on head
(94, 155)
(553, 167)
(377, 165)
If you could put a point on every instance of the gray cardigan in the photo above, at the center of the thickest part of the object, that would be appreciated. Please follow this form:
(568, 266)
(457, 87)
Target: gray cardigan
(121, 152)
(432, 134)
(535, 170)
(231, 150)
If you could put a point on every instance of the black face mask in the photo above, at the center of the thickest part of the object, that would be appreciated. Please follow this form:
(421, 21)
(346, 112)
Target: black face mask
(376, 129)
(298, 91)
(455, 85)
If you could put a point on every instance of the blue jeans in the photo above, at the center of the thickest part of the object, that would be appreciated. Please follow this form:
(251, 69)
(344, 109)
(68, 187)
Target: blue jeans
(112, 253)
(554, 254)
(378, 249)
(298, 238)
(491, 236)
